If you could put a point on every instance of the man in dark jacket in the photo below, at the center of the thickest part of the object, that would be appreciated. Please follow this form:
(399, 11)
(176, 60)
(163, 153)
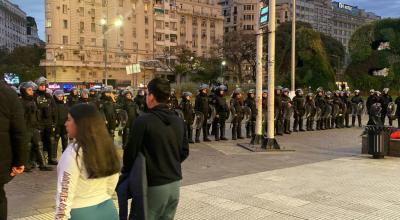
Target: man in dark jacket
(386, 99)
(278, 111)
(46, 117)
(250, 103)
(320, 103)
(236, 106)
(202, 105)
(188, 113)
(357, 104)
(372, 99)
(160, 135)
(132, 110)
(61, 110)
(286, 104)
(73, 97)
(140, 100)
(173, 100)
(222, 113)
(299, 110)
(14, 148)
(108, 109)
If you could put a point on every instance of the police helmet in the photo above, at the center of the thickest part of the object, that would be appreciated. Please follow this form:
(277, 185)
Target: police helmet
(58, 93)
(265, 91)
(299, 92)
(221, 88)
(285, 90)
(28, 84)
(251, 91)
(372, 91)
(356, 91)
(107, 89)
(84, 92)
(377, 93)
(186, 94)
(279, 88)
(320, 89)
(385, 90)
(328, 93)
(310, 95)
(203, 86)
(41, 81)
(92, 89)
(237, 91)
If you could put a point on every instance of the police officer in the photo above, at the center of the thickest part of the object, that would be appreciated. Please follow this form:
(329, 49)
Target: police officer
(84, 98)
(173, 100)
(347, 108)
(397, 102)
(265, 109)
(201, 105)
(320, 103)
(236, 106)
(338, 109)
(188, 114)
(286, 104)
(328, 121)
(31, 113)
(299, 110)
(355, 102)
(250, 102)
(46, 107)
(61, 110)
(221, 113)
(108, 108)
(140, 100)
(278, 111)
(310, 105)
(371, 99)
(386, 99)
(73, 97)
(132, 110)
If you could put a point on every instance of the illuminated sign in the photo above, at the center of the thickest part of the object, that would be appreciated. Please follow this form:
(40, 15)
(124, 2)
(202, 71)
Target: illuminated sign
(54, 86)
(264, 13)
(344, 6)
(134, 68)
(11, 78)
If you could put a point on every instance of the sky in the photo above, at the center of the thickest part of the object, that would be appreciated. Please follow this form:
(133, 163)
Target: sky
(384, 8)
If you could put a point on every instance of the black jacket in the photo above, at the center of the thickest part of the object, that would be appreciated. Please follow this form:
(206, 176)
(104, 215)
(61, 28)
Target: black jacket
(13, 141)
(357, 99)
(72, 100)
(187, 109)
(141, 102)
(221, 107)
(107, 107)
(173, 102)
(299, 105)
(372, 99)
(201, 104)
(61, 110)
(30, 111)
(46, 106)
(397, 102)
(386, 99)
(162, 137)
(251, 103)
(132, 110)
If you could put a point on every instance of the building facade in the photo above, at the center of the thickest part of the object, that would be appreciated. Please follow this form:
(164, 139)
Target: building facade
(32, 36)
(12, 26)
(82, 37)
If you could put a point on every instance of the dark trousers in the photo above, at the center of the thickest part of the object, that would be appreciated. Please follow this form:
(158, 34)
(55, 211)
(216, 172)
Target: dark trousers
(236, 129)
(279, 125)
(353, 120)
(383, 117)
(205, 131)
(251, 128)
(125, 135)
(61, 133)
(3, 203)
(219, 128)
(298, 122)
(36, 147)
(189, 131)
(47, 135)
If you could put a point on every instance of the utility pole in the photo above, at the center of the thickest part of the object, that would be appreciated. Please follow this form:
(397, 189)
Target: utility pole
(293, 73)
(259, 81)
(271, 142)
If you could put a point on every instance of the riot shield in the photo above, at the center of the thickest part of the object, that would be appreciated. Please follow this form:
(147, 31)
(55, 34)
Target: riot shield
(246, 114)
(328, 112)
(198, 120)
(336, 111)
(212, 114)
(122, 117)
(391, 110)
(360, 108)
(287, 110)
(179, 113)
(318, 114)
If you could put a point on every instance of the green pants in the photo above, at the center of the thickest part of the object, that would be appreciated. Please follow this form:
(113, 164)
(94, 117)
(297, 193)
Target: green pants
(163, 201)
(103, 211)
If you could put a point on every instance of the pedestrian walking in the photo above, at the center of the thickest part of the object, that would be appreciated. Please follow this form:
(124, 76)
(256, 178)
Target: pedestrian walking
(159, 135)
(88, 170)
(13, 142)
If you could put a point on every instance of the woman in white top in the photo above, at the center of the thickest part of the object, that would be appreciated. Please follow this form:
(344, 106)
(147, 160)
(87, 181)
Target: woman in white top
(88, 170)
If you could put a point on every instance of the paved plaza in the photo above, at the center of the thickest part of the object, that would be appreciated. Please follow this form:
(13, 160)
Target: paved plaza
(325, 177)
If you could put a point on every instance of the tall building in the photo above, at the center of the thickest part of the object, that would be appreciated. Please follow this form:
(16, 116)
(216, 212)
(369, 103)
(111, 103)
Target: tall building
(82, 37)
(12, 25)
(32, 32)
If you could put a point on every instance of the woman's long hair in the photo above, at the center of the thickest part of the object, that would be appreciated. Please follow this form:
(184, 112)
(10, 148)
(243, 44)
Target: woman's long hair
(99, 153)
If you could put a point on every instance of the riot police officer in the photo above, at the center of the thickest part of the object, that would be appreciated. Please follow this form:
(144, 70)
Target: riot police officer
(299, 110)
(188, 113)
(278, 109)
(346, 108)
(311, 109)
(356, 101)
(201, 105)
(371, 99)
(46, 107)
(73, 97)
(250, 103)
(132, 111)
(329, 116)
(140, 100)
(108, 108)
(236, 106)
(386, 99)
(286, 104)
(337, 111)
(173, 100)
(320, 103)
(222, 112)
(61, 110)
(84, 98)
(265, 109)
(31, 113)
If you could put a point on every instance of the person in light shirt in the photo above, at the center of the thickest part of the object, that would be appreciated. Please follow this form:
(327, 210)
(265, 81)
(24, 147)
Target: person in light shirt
(88, 170)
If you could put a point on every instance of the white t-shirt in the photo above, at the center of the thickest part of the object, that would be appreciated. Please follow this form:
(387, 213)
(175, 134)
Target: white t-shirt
(74, 189)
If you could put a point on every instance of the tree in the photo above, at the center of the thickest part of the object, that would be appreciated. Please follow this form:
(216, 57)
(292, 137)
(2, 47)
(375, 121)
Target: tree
(183, 62)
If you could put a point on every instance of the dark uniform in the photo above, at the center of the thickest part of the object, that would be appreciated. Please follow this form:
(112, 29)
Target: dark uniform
(347, 108)
(108, 108)
(371, 100)
(61, 110)
(73, 97)
(310, 105)
(188, 114)
(34, 139)
(355, 101)
(173, 101)
(338, 109)
(140, 100)
(328, 121)
(397, 102)
(278, 111)
(236, 107)
(386, 99)
(222, 112)
(320, 103)
(299, 110)
(47, 120)
(132, 110)
(250, 103)
(286, 105)
(265, 109)
(202, 105)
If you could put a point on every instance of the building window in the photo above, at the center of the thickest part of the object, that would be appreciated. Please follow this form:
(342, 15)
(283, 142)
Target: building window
(159, 36)
(65, 24)
(93, 27)
(81, 40)
(146, 20)
(93, 40)
(81, 11)
(228, 19)
(65, 40)
(64, 9)
(146, 34)
(48, 23)
(183, 21)
(93, 12)
(146, 7)
(81, 26)
(121, 3)
(173, 38)
(48, 38)
(235, 10)
(134, 32)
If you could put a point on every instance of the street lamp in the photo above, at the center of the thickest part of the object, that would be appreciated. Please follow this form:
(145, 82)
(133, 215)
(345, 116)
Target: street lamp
(223, 63)
(103, 22)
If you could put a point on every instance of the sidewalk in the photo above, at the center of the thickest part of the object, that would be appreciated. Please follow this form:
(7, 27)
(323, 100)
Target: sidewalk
(344, 188)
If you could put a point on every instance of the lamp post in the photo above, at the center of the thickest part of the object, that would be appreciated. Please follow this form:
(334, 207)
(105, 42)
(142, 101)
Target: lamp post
(104, 23)
(293, 60)
(223, 63)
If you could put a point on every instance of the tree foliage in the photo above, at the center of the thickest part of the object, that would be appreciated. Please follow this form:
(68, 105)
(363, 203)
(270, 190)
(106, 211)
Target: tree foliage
(366, 57)
(23, 61)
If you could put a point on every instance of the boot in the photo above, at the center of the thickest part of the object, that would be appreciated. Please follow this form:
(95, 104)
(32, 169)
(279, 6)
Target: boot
(190, 135)
(318, 125)
(239, 131)
(359, 121)
(353, 121)
(216, 131)
(323, 124)
(234, 132)
(311, 125)
(197, 138)
(301, 125)
(248, 135)
(222, 130)
(286, 125)
(295, 124)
